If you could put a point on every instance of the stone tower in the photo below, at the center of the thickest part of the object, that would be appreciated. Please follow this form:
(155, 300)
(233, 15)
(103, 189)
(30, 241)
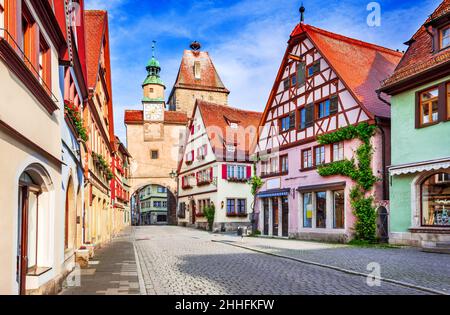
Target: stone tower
(153, 138)
(197, 79)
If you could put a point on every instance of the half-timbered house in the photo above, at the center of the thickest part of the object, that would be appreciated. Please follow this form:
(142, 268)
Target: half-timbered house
(325, 82)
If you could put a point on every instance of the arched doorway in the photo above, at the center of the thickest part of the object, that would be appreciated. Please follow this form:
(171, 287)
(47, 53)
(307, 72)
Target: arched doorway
(70, 216)
(34, 187)
(153, 204)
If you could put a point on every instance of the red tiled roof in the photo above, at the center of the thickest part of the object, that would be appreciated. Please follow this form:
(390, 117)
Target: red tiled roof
(419, 56)
(95, 23)
(362, 66)
(137, 117)
(217, 119)
(209, 78)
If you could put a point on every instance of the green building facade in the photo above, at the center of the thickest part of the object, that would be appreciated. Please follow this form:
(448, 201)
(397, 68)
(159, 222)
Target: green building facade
(153, 205)
(420, 140)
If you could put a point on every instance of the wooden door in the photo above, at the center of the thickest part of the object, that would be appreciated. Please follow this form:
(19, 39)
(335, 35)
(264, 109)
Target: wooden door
(23, 244)
(275, 221)
(193, 210)
(266, 215)
(285, 217)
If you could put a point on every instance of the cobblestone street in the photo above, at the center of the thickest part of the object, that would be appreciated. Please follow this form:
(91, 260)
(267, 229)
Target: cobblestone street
(175, 261)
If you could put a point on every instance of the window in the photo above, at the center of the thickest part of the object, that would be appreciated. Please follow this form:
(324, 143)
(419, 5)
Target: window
(307, 116)
(190, 157)
(435, 193)
(293, 81)
(428, 106)
(241, 172)
(164, 204)
(445, 37)
(197, 71)
(230, 171)
(321, 206)
(264, 167)
(338, 209)
(157, 204)
(155, 154)
(307, 159)
(231, 209)
(323, 109)
(285, 123)
(161, 190)
(152, 90)
(286, 84)
(319, 155)
(274, 166)
(338, 151)
(44, 65)
(307, 210)
(242, 206)
(314, 69)
(182, 210)
(284, 164)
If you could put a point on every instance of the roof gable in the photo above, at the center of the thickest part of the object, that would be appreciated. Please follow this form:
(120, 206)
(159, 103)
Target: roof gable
(208, 78)
(95, 25)
(362, 66)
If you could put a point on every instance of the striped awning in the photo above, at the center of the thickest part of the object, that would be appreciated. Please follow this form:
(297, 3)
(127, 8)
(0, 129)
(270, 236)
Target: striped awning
(434, 165)
(274, 193)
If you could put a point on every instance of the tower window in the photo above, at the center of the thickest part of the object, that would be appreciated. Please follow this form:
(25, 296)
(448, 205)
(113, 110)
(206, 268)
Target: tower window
(152, 90)
(197, 72)
(155, 154)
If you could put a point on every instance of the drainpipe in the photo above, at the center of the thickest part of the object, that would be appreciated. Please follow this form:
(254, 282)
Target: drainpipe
(383, 139)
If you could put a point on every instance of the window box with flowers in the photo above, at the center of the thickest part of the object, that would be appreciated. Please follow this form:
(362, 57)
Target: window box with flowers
(205, 177)
(74, 118)
(236, 173)
(186, 182)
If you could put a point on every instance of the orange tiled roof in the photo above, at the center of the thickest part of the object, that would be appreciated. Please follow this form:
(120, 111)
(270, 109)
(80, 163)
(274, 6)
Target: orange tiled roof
(419, 57)
(217, 119)
(137, 117)
(362, 66)
(95, 22)
(209, 78)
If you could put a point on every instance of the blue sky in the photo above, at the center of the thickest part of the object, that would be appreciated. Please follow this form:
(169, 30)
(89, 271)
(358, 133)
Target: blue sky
(246, 39)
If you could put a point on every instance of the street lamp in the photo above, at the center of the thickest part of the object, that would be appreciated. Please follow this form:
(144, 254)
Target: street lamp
(173, 174)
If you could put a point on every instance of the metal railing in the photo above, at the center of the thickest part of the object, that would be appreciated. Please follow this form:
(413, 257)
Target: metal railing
(9, 38)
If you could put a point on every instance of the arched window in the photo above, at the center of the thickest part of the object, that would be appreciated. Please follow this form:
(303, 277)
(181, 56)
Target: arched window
(435, 199)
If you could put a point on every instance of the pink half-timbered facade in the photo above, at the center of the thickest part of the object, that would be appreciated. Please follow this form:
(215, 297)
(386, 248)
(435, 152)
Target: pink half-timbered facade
(326, 81)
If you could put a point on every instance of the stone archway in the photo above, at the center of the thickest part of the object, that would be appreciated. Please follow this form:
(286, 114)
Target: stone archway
(153, 204)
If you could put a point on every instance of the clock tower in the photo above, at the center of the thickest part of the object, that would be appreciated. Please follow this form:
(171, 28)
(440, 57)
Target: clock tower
(153, 100)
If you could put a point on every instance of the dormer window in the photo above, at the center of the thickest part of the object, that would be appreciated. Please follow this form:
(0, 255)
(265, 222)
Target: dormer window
(197, 72)
(445, 37)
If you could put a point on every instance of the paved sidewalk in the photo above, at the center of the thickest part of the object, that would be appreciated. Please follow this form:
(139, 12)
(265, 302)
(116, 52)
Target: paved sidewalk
(408, 265)
(113, 270)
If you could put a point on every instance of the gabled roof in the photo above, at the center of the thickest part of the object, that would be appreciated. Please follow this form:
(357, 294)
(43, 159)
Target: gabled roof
(362, 66)
(419, 57)
(137, 117)
(95, 25)
(217, 120)
(209, 78)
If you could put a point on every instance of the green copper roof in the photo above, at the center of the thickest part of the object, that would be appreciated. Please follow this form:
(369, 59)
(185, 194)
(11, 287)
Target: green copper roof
(153, 79)
(152, 100)
(153, 63)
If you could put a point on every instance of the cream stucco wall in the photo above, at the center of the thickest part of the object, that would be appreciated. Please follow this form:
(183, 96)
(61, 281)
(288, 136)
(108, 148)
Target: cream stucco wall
(185, 99)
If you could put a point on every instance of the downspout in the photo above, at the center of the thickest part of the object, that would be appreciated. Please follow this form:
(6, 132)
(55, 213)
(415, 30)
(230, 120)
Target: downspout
(383, 139)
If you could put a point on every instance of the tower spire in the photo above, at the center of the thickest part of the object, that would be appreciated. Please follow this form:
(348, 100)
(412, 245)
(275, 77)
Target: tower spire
(302, 14)
(153, 48)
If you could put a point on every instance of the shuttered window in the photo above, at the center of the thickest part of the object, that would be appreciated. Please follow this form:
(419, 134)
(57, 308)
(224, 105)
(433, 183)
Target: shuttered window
(301, 73)
(334, 105)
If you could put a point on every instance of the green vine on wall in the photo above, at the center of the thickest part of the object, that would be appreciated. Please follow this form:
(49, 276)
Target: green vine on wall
(358, 170)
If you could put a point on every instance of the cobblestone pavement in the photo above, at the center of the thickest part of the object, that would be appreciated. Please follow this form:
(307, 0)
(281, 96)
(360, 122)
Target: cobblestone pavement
(177, 260)
(112, 271)
(408, 265)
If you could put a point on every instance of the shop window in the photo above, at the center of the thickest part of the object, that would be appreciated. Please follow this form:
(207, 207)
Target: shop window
(319, 153)
(338, 151)
(445, 37)
(338, 209)
(321, 212)
(435, 196)
(428, 107)
(307, 210)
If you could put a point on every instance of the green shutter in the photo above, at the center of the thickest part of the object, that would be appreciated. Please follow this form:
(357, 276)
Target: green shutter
(301, 73)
